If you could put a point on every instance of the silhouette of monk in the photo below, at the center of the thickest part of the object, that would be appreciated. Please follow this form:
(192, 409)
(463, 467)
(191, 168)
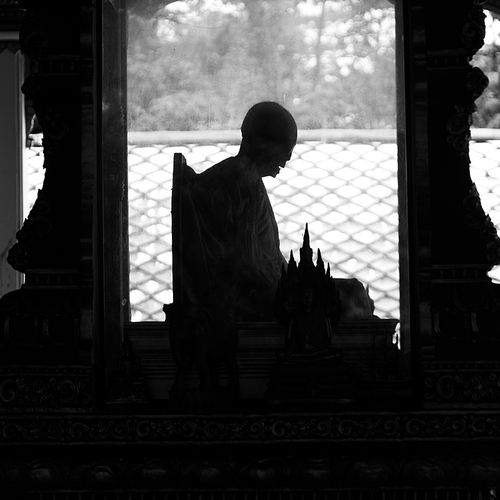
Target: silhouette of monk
(232, 256)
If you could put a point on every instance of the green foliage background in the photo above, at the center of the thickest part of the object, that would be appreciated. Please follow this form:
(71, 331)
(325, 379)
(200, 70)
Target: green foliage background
(488, 60)
(200, 64)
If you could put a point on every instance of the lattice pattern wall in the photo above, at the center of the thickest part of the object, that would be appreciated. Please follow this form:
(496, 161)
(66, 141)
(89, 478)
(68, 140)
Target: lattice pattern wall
(346, 192)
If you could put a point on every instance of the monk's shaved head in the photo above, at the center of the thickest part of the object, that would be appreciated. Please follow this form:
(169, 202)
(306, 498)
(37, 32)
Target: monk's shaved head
(270, 121)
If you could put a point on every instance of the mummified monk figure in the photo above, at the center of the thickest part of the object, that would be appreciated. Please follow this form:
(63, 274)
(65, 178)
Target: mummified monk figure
(232, 258)
(227, 259)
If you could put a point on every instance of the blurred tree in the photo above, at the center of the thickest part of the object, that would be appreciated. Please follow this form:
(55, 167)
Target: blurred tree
(201, 64)
(488, 60)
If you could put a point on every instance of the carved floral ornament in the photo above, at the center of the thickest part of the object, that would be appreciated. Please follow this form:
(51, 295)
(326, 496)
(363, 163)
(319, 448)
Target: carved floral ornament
(416, 426)
(469, 384)
(54, 389)
(473, 30)
(458, 127)
(477, 82)
(476, 218)
(276, 473)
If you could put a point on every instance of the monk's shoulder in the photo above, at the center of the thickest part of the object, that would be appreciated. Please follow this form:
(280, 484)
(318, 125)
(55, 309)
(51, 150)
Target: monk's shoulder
(224, 174)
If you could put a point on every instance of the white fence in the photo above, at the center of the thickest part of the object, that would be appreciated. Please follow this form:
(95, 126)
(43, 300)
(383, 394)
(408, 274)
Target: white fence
(343, 184)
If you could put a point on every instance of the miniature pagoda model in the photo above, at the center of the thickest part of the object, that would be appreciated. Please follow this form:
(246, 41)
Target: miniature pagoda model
(308, 303)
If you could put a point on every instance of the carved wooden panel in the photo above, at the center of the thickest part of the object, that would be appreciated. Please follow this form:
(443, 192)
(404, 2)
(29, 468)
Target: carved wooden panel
(274, 475)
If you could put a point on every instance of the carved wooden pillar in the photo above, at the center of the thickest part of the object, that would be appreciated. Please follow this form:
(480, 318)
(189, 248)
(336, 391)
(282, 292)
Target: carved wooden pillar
(42, 322)
(462, 336)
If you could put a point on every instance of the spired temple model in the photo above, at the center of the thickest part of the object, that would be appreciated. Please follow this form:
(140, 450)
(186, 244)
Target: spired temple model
(308, 303)
(336, 350)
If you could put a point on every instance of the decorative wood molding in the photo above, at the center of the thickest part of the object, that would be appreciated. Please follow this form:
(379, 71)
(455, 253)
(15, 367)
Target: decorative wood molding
(11, 16)
(458, 127)
(39, 389)
(12, 46)
(334, 427)
(462, 384)
(473, 30)
(269, 476)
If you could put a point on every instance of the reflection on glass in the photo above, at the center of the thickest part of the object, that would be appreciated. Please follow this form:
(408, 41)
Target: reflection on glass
(195, 68)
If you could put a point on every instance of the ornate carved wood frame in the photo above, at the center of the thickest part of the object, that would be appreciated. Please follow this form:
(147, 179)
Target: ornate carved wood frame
(61, 334)
(447, 240)
(73, 306)
(150, 340)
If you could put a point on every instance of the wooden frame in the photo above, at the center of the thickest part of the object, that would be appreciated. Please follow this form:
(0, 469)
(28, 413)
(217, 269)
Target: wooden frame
(420, 193)
(252, 332)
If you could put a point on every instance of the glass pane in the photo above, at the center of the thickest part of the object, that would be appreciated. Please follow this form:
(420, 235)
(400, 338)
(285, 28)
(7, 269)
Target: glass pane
(195, 67)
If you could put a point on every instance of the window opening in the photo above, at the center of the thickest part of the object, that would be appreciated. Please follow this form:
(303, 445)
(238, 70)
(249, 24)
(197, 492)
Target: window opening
(195, 69)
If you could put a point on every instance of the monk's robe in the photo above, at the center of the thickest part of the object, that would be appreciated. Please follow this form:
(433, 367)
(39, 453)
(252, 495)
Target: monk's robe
(231, 254)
